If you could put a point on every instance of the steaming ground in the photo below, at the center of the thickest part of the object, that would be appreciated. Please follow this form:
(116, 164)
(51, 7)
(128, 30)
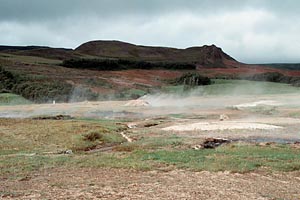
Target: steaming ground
(260, 118)
(272, 117)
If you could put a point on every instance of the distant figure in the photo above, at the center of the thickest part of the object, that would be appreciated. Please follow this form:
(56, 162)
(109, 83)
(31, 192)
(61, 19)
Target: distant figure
(54, 102)
(224, 117)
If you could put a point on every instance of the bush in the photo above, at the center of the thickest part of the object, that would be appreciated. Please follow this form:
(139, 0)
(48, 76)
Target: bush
(37, 90)
(192, 79)
(92, 136)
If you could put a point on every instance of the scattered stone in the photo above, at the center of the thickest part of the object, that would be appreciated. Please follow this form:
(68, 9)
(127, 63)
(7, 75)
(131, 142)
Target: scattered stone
(197, 147)
(211, 143)
(68, 151)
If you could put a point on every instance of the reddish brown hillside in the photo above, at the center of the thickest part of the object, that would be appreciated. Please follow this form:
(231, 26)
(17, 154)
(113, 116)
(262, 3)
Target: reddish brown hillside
(205, 56)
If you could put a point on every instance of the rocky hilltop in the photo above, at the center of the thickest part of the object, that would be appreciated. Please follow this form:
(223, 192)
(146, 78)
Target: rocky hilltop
(207, 55)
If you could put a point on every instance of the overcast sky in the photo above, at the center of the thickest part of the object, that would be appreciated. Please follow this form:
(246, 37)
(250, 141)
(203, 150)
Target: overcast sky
(251, 31)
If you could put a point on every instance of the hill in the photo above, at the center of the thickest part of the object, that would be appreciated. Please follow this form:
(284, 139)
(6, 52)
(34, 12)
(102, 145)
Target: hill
(117, 70)
(208, 56)
(39, 51)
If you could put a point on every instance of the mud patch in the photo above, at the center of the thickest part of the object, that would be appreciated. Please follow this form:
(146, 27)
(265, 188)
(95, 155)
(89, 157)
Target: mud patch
(222, 125)
(256, 104)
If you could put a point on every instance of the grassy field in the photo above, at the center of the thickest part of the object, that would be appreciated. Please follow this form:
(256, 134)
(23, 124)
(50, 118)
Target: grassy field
(235, 87)
(27, 146)
(29, 59)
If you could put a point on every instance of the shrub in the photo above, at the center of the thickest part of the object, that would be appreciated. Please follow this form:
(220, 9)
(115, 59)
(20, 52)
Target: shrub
(37, 90)
(92, 136)
(192, 79)
(96, 139)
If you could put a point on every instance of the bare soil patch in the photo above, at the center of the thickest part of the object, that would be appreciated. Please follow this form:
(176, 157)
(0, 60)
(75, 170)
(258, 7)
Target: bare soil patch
(129, 184)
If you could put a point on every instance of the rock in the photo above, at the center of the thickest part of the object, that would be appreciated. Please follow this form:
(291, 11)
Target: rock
(131, 125)
(69, 151)
(224, 117)
(197, 147)
(211, 143)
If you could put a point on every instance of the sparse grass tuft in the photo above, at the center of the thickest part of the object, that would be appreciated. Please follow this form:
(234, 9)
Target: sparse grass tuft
(92, 136)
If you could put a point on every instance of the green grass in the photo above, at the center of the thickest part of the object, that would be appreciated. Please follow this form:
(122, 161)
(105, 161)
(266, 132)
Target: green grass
(25, 147)
(16, 166)
(152, 143)
(236, 159)
(50, 135)
(236, 87)
(12, 99)
(243, 158)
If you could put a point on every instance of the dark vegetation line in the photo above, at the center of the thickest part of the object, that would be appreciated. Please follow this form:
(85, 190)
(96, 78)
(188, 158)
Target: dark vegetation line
(122, 64)
(288, 66)
(273, 77)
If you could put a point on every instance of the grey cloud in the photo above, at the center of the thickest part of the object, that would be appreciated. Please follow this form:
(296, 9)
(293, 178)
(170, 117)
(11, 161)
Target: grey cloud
(250, 30)
(51, 9)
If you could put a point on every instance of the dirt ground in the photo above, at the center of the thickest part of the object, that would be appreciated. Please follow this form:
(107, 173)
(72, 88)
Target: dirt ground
(128, 184)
